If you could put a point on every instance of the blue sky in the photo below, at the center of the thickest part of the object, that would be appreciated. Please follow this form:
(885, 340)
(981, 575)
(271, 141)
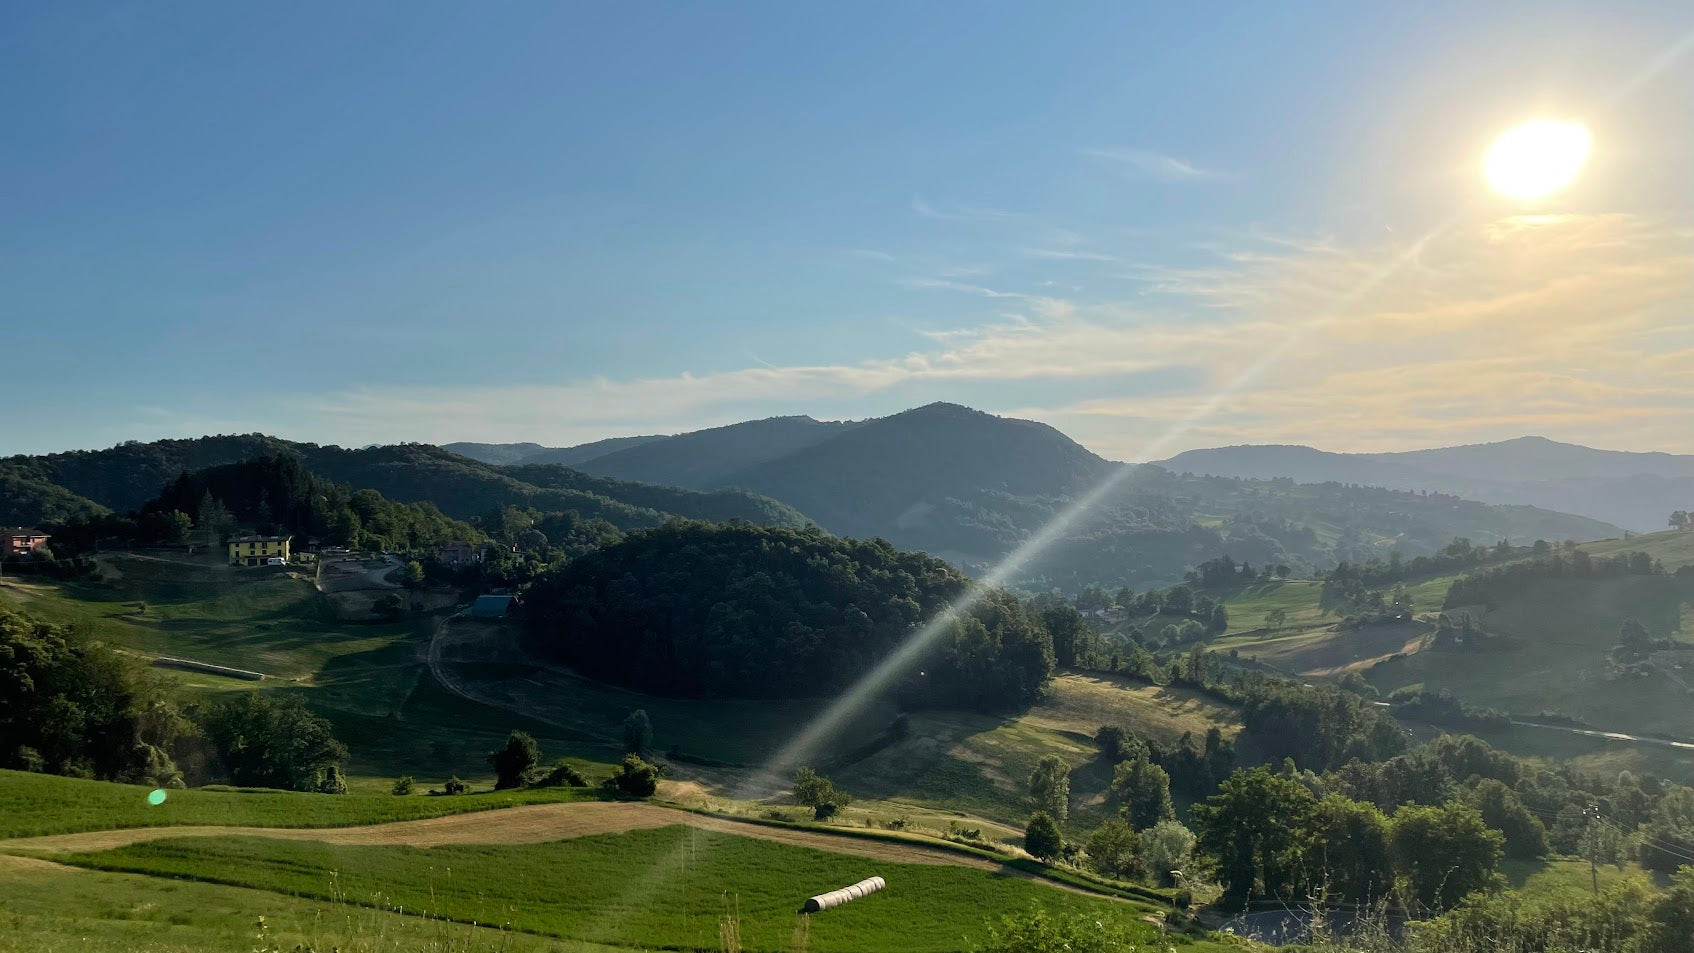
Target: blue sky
(1154, 226)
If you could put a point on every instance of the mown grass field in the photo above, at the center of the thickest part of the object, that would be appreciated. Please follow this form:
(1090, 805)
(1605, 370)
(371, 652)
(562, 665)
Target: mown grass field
(668, 887)
(1562, 631)
(977, 763)
(38, 804)
(1674, 548)
(48, 908)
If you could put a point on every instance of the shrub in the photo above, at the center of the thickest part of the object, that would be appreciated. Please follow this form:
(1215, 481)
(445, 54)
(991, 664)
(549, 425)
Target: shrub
(403, 786)
(635, 778)
(562, 776)
(332, 782)
(824, 810)
(455, 786)
(813, 789)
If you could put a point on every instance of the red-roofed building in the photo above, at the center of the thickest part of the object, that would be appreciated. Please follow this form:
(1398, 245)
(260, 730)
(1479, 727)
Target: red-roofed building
(19, 542)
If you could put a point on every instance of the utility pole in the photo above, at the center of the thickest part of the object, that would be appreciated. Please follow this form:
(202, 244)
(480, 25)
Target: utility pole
(1593, 845)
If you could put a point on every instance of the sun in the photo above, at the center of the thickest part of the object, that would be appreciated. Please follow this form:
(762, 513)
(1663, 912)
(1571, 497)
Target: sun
(1537, 158)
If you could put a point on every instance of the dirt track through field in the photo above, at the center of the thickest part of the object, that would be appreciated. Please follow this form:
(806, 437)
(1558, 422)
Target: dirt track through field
(532, 824)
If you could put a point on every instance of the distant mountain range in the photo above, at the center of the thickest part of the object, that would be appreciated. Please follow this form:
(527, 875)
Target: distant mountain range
(970, 487)
(1634, 490)
(43, 489)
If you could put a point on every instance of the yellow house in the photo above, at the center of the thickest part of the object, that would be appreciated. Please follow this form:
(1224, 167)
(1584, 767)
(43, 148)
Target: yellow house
(257, 550)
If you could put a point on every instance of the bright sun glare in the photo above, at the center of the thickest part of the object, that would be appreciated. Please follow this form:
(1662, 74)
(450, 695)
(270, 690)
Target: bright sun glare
(1537, 158)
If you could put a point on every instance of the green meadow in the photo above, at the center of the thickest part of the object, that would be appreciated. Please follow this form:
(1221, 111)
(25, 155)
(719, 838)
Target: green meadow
(669, 887)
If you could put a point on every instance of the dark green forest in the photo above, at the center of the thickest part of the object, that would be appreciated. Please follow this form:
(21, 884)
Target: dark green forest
(737, 610)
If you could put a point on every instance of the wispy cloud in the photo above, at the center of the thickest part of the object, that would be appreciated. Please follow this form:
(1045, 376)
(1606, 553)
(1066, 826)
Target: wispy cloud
(1154, 165)
(959, 213)
(1576, 326)
(869, 254)
(1067, 254)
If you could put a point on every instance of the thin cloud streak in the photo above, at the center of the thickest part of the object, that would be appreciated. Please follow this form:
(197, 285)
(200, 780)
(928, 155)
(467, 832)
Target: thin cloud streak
(1153, 165)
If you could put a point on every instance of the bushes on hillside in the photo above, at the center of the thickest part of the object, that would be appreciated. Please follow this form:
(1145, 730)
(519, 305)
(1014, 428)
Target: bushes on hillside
(515, 763)
(635, 778)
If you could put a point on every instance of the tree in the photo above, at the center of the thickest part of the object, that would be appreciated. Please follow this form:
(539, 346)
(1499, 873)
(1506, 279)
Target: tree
(1050, 786)
(1680, 520)
(414, 575)
(1110, 740)
(1350, 842)
(403, 786)
(813, 790)
(1112, 849)
(388, 606)
(1070, 633)
(1670, 918)
(272, 740)
(514, 765)
(1443, 853)
(637, 732)
(1276, 618)
(455, 786)
(1144, 790)
(1502, 809)
(1667, 839)
(1041, 837)
(1253, 828)
(1166, 847)
(1219, 621)
(635, 778)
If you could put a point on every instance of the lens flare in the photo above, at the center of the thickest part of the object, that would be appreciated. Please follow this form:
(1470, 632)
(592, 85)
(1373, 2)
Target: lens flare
(156, 797)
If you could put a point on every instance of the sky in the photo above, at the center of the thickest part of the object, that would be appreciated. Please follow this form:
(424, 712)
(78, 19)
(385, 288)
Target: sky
(1154, 226)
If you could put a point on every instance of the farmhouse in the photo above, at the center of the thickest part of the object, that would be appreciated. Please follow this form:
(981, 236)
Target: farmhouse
(256, 550)
(19, 542)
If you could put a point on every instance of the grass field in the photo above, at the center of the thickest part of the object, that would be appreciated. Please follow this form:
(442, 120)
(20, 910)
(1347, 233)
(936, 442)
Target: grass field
(967, 761)
(667, 887)
(1563, 630)
(45, 804)
(48, 908)
(1674, 548)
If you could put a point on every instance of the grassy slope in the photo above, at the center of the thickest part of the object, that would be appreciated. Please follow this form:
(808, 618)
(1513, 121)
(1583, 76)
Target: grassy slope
(369, 680)
(1563, 630)
(981, 763)
(45, 804)
(47, 908)
(665, 887)
(1674, 548)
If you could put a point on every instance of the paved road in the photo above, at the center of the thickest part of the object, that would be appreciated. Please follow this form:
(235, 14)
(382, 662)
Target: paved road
(1594, 733)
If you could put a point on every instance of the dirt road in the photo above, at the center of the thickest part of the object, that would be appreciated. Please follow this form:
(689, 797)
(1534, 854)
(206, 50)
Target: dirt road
(532, 824)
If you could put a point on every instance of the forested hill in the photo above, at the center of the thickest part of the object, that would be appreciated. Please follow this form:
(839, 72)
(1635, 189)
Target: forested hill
(710, 457)
(54, 487)
(746, 611)
(1633, 490)
(878, 477)
(464, 488)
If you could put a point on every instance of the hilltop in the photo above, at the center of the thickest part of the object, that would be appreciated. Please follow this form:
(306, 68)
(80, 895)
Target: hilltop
(1634, 490)
(970, 487)
(54, 487)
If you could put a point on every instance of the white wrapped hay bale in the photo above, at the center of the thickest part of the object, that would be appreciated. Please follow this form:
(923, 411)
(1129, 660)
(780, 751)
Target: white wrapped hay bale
(836, 898)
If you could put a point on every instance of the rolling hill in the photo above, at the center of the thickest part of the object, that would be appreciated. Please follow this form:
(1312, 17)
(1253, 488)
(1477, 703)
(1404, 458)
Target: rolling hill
(970, 487)
(709, 457)
(55, 486)
(1634, 490)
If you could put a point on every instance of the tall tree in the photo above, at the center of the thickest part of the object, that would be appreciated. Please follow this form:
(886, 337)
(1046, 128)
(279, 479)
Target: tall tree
(1254, 827)
(1443, 852)
(1050, 786)
(515, 764)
